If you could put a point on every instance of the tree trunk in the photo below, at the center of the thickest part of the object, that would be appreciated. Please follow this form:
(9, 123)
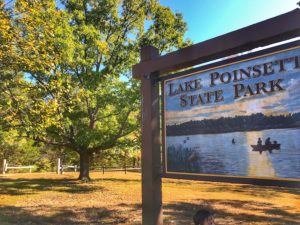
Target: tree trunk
(84, 166)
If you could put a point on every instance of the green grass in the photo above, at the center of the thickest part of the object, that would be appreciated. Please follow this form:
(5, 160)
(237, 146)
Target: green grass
(115, 198)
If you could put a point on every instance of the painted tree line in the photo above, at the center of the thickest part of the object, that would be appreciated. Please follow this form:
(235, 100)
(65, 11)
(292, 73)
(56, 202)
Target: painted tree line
(65, 75)
(253, 122)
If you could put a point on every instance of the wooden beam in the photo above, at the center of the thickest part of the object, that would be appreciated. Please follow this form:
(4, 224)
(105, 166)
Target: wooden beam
(151, 161)
(267, 32)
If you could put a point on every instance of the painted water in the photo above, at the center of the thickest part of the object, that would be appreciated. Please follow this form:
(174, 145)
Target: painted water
(216, 154)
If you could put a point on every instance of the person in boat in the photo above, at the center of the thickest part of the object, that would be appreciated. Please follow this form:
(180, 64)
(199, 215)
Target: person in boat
(268, 141)
(233, 141)
(275, 142)
(259, 141)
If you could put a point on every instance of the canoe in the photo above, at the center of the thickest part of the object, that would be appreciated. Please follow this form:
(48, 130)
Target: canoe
(265, 147)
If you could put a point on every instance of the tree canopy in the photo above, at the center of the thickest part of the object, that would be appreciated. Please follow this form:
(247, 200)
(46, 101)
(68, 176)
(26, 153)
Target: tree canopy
(65, 72)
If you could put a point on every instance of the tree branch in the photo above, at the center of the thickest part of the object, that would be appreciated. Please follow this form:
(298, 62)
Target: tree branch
(113, 141)
(48, 142)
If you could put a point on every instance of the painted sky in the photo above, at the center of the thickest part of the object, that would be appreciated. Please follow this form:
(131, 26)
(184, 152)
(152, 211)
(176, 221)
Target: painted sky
(276, 103)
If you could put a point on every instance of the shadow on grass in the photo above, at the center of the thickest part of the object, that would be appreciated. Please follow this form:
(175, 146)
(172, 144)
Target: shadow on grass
(24, 186)
(30, 186)
(251, 212)
(118, 180)
(10, 215)
(174, 213)
(255, 213)
(251, 190)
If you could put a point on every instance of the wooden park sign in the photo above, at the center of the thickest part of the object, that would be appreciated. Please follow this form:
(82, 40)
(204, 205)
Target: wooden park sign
(238, 120)
(235, 120)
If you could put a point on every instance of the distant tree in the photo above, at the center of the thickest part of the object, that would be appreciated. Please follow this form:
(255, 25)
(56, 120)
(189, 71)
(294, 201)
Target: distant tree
(17, 150)
(253, 122)
(74, 64)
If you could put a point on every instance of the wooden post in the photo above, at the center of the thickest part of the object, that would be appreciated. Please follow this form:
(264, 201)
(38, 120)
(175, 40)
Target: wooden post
(58, 166)
(102, 169)
(151, 160)
(4, 166)
(30, 169)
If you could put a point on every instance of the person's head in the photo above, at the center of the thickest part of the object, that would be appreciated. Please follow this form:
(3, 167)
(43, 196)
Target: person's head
(203, 217)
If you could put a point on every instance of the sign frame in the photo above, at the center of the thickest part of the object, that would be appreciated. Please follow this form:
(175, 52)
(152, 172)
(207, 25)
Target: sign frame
(267, 181)
(153, 65)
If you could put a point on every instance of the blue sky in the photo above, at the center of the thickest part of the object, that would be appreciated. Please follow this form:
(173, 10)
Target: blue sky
(207, 19)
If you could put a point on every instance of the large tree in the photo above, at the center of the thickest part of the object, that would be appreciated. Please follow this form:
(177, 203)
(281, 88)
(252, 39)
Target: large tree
(73, 64)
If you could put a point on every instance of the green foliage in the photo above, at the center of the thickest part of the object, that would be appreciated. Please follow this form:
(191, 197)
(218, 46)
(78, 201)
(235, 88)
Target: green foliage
(16, 150)
(43, 165)
(117, 157)
(66, 80)
(167, 30)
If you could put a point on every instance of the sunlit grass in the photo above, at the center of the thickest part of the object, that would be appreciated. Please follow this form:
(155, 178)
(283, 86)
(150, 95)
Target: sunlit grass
(115, 198)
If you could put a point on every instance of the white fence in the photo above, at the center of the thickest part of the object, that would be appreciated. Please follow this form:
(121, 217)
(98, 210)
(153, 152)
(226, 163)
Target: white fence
(6, 167)
(64, 167)
(61, 168)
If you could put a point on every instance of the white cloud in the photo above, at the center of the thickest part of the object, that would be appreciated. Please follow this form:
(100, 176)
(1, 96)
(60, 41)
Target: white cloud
(269, 105)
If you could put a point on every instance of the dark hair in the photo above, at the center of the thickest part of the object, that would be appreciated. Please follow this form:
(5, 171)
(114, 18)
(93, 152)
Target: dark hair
(201, 215)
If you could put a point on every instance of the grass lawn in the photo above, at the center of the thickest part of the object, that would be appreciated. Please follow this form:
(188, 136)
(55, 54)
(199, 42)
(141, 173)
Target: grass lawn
(115, 198)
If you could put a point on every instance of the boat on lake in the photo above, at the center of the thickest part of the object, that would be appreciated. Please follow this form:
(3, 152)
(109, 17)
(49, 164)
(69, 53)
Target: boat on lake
(269, 147)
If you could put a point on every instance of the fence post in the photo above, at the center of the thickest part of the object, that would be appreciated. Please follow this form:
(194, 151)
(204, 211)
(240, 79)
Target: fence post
(102, 169)
(4, 166)
(30, 169)
(75, 168)
(58, 166)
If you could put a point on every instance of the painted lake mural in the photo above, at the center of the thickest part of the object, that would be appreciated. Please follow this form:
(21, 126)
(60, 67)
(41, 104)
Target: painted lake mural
(240, 119)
